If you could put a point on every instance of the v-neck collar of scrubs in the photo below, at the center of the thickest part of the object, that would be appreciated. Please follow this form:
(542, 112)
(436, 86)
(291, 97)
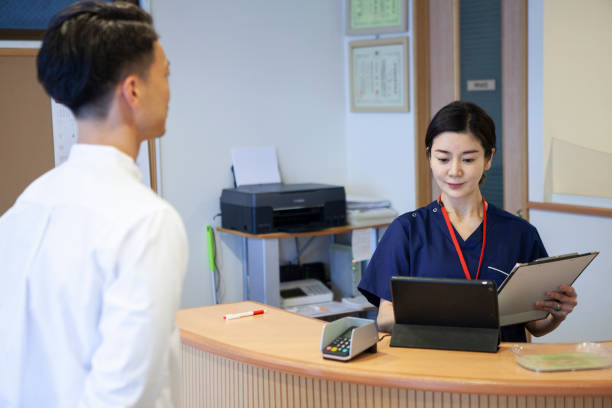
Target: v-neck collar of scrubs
(475, 238)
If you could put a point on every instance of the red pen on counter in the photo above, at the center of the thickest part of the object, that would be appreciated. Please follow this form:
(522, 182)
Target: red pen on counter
(243, 314)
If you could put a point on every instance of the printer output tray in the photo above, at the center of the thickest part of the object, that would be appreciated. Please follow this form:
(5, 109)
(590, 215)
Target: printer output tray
(445, 337)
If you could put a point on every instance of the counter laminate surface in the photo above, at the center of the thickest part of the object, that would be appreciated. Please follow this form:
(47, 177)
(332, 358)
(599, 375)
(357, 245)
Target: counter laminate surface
(290, 343)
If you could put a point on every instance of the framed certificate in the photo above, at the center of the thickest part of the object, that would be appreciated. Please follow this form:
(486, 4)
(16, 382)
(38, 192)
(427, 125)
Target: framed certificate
(376, 16)
(379, 75)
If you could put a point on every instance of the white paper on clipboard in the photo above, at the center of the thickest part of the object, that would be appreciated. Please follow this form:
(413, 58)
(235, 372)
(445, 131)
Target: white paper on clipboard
(529, 283)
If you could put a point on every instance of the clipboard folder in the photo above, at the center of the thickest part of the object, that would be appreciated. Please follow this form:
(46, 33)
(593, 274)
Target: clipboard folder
(529, 282)
(448, 314)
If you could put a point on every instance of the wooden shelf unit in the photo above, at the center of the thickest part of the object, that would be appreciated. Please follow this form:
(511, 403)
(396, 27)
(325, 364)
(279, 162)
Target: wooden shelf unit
(260, 260)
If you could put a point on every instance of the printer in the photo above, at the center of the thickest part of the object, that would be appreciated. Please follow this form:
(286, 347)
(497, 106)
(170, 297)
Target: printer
(277, 207)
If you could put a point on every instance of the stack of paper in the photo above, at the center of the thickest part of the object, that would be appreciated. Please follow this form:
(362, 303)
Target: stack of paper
(354, 202)
(359, 302)
(376, 216)
(368, 211)
(324, 309)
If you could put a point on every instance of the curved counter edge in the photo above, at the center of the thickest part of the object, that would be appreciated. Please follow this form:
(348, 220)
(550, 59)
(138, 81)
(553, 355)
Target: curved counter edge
(558, 388)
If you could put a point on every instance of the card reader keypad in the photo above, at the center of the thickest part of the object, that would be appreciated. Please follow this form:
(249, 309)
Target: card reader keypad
(341, 345)
(338, 347)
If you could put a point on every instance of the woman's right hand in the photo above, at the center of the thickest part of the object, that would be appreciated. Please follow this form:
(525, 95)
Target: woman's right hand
(386, 317)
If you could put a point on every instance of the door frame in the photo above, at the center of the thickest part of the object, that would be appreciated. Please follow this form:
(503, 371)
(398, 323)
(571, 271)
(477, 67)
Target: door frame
(436, 32)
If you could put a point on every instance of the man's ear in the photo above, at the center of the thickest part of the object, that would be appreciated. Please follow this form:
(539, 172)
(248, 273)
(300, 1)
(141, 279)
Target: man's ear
(490, 160)
(130, 91)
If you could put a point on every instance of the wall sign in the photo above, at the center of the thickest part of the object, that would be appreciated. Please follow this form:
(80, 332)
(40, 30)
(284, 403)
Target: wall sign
(481, 85)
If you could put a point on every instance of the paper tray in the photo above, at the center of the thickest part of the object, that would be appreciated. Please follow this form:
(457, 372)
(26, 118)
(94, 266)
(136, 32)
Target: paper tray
(562, 357)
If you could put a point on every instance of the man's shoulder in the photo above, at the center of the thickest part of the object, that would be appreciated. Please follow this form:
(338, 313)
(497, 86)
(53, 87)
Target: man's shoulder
(137, 202)
(112, 198)
(147, 199)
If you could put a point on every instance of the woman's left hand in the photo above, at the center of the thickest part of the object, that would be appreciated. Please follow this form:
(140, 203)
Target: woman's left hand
(560, 303)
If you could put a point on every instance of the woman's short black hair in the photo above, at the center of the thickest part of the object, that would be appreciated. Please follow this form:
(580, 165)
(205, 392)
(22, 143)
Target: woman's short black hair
(461, 117)
(88, 48)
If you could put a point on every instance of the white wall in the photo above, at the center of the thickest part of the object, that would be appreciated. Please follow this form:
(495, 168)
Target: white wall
(381, 158)
(380, 146)
(247, 73)
(564, 233)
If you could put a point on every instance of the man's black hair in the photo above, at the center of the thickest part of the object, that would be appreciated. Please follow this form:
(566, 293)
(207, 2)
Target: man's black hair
(88, 48)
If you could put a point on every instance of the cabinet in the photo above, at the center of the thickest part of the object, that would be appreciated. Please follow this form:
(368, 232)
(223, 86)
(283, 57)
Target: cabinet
(260, 259)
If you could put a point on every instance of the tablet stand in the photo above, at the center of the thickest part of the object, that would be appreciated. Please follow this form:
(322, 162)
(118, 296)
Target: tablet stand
(442, 313)
(445, 337)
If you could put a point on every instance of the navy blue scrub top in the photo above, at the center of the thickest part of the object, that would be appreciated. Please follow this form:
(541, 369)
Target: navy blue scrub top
(419, 244)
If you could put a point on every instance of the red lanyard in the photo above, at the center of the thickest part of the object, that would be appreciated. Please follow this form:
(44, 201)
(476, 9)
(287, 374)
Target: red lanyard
(454, 238)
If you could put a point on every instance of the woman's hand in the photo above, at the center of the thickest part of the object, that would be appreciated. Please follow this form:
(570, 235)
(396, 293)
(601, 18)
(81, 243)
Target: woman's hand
(386, 317)
(559, 305)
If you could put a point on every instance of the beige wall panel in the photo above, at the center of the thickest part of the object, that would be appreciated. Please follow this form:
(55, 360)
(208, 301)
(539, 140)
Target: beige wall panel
(577, 84)
(580, 170)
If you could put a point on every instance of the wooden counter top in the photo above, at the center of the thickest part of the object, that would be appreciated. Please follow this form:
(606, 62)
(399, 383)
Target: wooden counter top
(290, 343)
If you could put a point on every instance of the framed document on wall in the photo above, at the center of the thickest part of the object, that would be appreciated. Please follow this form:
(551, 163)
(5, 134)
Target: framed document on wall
(379, 75)
(376, 16)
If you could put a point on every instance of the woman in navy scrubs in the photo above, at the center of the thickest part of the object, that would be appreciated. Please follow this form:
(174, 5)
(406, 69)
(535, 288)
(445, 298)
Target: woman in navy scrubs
(460, 235)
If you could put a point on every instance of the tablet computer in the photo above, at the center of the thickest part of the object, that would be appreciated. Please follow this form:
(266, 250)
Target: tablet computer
(529, 282)
(454, 314)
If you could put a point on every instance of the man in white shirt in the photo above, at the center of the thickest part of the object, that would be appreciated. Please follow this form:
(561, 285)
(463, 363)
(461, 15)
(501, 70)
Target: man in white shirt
(92, 261)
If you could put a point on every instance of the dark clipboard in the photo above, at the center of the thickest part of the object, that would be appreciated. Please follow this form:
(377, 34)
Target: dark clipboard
(529, 282)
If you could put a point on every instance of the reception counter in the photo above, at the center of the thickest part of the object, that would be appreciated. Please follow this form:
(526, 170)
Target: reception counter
(273, 360)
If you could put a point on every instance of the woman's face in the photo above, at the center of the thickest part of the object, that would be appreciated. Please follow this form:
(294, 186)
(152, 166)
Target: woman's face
(457, 162)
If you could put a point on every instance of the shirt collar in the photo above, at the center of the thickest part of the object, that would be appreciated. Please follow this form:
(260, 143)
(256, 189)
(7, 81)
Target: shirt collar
(108, 157)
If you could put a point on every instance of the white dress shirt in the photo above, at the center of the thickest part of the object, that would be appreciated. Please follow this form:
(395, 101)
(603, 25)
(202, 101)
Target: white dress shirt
(91, 270)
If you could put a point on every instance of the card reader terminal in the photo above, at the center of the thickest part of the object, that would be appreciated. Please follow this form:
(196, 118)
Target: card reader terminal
(345, 338)
(341, 345)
